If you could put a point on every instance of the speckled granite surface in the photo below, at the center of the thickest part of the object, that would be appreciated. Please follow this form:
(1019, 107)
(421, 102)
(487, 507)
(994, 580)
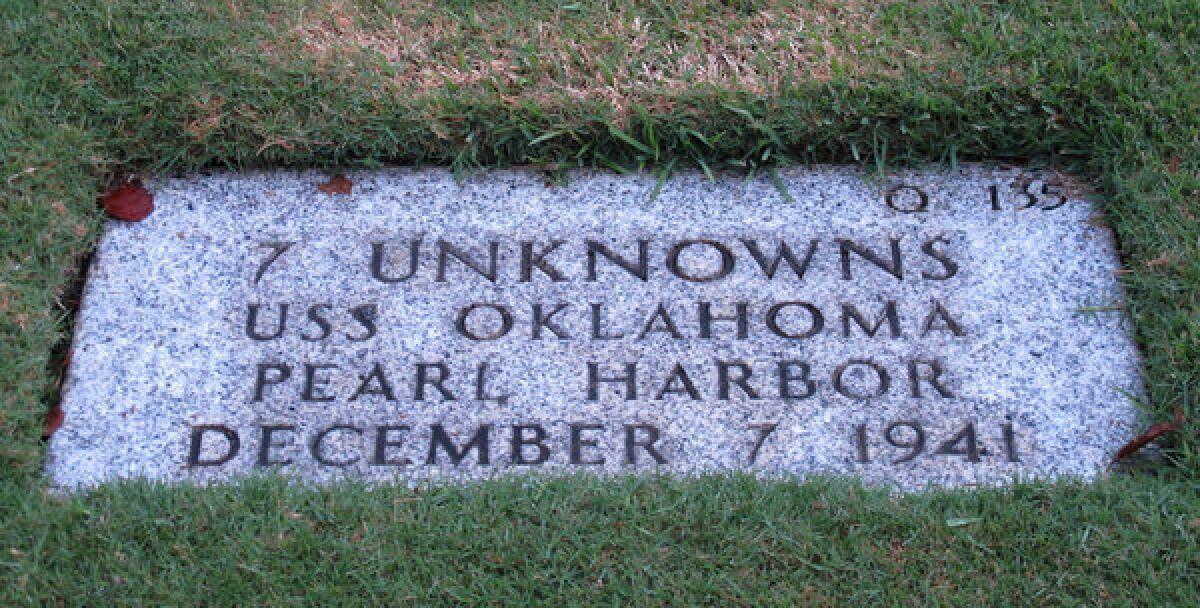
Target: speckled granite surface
(586, 326)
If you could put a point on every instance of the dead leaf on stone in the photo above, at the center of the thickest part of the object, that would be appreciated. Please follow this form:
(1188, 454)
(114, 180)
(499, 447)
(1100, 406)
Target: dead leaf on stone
(55, 415)
(54, 421)
(338, 184)
(129, 202)
(1154, 432)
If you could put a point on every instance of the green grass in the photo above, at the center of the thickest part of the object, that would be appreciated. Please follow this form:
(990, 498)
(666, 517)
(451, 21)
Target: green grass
(92, 90)
(715, 541)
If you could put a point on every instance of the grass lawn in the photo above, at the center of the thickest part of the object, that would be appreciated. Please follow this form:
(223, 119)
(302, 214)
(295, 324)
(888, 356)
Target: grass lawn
(90, 90)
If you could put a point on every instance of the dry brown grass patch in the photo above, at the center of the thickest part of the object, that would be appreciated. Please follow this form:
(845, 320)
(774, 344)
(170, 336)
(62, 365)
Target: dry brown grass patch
(622, 54)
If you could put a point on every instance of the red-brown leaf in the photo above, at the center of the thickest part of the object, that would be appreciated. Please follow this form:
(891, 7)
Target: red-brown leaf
(129, 201)
(1154, 432)
(338, 184)
(54, 420)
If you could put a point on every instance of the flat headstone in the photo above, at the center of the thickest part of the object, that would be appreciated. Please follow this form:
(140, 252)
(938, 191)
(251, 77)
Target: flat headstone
(952, 327)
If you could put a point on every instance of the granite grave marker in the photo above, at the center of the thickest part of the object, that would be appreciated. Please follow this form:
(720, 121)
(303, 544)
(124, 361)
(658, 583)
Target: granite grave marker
(949, 327)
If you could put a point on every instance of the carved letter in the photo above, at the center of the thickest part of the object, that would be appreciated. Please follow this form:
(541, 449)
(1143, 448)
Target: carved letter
(377, 258)
(687, 388)
(529, 261)
(478, 442)
(578, 442)
(519, 442)
(314, 315)
(446, 251)
(895, 267)
(252, 323)
(423, 379)
(506, 322)
(949, 268)
(384, 389)
(816, 323)
(934, 379)
(786, 377)
(660, 322)
(312, 383)
(632, 443)
(268, 442)
(629, 380)
(197, 444)
(365, 315)
(742, 379)
(640, 270)
(727, 261)
(383, 442)
(947, 322)
(319, 438)
(783, 253)
(707, 318)
(541, 319)
(261, 380)
(882, 380)
(850, 313)
(598, 332)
